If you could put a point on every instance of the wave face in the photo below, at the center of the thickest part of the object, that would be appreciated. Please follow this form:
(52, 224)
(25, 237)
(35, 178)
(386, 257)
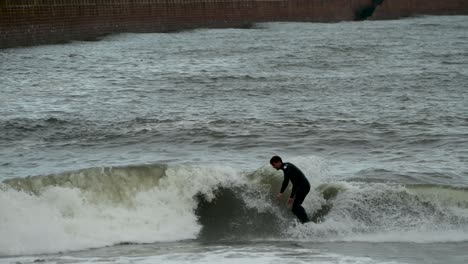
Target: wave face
(143, 204)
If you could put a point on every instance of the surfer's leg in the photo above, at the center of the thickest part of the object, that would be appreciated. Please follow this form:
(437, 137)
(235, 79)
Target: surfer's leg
(297, 208)
(301, 214)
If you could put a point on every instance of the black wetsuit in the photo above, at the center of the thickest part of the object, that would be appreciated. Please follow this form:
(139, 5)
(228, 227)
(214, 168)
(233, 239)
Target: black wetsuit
(300, 189)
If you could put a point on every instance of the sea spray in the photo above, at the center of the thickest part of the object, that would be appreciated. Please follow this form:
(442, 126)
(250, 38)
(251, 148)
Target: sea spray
(159, 203)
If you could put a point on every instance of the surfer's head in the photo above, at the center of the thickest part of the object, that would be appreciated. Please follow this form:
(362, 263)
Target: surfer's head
(276, 162)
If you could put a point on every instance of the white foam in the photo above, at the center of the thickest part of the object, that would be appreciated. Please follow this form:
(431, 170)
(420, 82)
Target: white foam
(61, 219)
(446, 236)
(66, 218)
(232, 255)
(368, 212)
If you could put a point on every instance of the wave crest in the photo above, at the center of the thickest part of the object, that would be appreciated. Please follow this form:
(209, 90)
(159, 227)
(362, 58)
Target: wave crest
(150, 203)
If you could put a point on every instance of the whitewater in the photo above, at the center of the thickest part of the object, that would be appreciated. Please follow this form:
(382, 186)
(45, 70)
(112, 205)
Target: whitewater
(154, 148)
(106, 206)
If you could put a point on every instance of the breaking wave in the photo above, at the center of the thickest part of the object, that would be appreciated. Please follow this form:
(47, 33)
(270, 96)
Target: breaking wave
(97, 207)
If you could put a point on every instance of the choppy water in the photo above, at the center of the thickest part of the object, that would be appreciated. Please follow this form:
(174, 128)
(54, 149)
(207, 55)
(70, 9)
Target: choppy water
(159, 138)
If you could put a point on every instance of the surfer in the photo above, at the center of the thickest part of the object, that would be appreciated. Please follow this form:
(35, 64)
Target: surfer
(300, 189)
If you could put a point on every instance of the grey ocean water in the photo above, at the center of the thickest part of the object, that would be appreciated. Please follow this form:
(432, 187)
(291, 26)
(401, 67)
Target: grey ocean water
(146, 143)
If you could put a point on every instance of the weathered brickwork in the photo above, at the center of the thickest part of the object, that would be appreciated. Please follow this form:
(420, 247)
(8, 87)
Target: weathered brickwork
(34, 22)
(391, 9)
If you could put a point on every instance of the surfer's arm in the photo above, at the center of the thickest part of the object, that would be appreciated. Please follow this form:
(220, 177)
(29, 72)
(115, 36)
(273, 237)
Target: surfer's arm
(285, 183)
(293, 192)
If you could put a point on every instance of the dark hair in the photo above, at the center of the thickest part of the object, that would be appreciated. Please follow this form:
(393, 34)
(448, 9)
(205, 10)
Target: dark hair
(275, 159)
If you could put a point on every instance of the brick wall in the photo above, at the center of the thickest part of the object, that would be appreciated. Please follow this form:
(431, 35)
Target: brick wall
(33, 22)
(391, 9)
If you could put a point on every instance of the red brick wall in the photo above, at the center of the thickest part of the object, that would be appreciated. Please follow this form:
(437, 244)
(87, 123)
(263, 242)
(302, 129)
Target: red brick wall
(33, 22)
(391, 9)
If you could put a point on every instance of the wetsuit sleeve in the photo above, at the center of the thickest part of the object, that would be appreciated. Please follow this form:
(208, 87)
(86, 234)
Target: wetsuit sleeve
(293, 192)
(285, 183)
